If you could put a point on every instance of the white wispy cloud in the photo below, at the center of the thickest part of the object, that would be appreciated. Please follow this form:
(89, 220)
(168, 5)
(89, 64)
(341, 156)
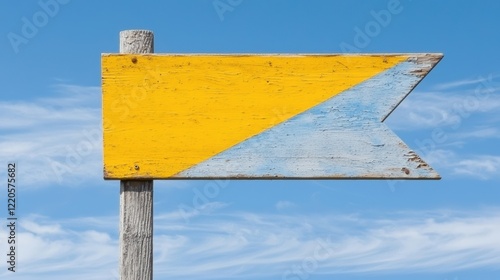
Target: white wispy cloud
(283, 204)
(480, 166)
(55, 140)
(186, 212)
(478, 133)
(55, 250)
(246, 245)
(477, 166)
(450, 104)
(465, 82)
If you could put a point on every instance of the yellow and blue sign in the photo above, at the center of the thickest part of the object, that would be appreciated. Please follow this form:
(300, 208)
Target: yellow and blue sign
(170, 116)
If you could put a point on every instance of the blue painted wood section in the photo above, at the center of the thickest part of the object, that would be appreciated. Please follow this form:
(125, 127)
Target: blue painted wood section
(343, 138)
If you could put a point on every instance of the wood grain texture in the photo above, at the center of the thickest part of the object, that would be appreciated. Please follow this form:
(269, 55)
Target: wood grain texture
(136, 41)
(136, 230)
(195, 107)
(342, 138)
(136, 196)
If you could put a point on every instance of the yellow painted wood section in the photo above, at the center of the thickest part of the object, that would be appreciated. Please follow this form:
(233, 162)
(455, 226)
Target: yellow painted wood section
(163, 114)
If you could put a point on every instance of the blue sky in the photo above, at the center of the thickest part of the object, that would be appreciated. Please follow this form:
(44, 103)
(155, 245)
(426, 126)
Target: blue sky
(50, 108)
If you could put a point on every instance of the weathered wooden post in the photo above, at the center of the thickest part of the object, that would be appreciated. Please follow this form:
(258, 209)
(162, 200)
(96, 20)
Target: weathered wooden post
(136, 196)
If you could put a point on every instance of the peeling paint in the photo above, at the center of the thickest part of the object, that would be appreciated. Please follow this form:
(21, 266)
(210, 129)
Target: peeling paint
(340, 137)
(346, 138)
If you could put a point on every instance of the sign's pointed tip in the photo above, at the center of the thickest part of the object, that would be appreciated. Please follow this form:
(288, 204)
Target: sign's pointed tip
(437, 176)
(433, 175)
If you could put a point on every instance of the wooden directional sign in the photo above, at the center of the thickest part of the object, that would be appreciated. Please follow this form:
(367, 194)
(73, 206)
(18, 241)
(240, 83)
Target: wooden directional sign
(258, 116)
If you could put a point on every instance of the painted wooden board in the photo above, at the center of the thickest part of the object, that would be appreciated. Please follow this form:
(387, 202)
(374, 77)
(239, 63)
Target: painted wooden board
(258, 116)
